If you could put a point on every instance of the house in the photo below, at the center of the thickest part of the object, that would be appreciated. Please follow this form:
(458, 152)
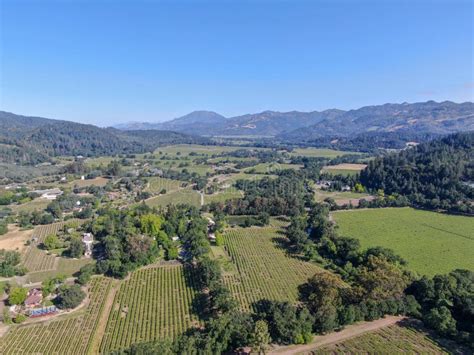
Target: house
(175, 238)
(34, 298)
(88, 240)
(346, 188)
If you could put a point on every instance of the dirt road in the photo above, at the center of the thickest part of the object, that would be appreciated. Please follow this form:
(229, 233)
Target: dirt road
(336, 337)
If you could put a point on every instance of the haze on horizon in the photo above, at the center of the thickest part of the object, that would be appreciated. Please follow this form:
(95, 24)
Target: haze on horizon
(110, 62)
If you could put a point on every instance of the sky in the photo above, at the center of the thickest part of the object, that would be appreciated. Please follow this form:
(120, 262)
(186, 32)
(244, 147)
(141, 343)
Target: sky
(111, 61)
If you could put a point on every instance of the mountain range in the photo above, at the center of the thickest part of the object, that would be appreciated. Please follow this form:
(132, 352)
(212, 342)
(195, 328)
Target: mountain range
(425, 117)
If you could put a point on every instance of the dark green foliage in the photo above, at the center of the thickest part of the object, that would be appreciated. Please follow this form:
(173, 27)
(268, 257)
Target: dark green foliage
(10, 263)
(447, 303)
(85, 273)
(76, 248)
(69, 296)
(433, 175)
(287, 324)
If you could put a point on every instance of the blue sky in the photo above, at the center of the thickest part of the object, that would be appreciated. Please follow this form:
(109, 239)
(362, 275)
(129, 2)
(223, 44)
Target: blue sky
(105, 62)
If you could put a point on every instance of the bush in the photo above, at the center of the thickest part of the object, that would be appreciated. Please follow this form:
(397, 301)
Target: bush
(70, 297)
(20, 318)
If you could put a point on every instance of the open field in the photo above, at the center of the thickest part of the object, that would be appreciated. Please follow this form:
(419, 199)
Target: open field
(223, 196)
(98, 181)
(344, 169)
(15, 238)
(395, 339)
(38, 204)
(68, 334)
(430, 242)
(259, 268)
(188, 196)
(269, 168)
(156, 184)
(185, 149)
(154, 303)
(322, 153)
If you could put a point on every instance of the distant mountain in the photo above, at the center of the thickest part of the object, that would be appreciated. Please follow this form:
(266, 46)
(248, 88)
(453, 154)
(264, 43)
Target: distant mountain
(32, 140)
(418, 118)
(421, 118)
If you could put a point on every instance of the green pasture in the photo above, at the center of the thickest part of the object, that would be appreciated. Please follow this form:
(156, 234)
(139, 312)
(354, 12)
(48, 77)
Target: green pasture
(431, 243)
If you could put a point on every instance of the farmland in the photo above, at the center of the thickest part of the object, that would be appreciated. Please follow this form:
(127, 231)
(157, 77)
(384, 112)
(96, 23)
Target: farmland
(432, 243)
(260, 268)
(188, 196)
(344, 169)
(395, 339)
(154, 303)
(68, 334)
(322, 153)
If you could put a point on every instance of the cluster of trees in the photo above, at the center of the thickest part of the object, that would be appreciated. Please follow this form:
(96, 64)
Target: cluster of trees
(447, 304)
(435, 175)
(285, 195)
(19, 196)
(10, 263)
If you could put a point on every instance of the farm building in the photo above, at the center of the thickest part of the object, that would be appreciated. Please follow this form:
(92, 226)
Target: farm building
(49, 194)
(34, 298)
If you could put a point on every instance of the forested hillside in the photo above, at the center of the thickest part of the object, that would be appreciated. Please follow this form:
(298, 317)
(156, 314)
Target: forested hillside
(437, 175)
(32, 140)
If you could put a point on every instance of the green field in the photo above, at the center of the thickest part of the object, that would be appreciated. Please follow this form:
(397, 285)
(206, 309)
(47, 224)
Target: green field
(394, 339)
(322, 153)
(188, 196)
(222, 196)
(185, 149)
(432, 243)
(154, 303)
(257, 267)
(156, 184)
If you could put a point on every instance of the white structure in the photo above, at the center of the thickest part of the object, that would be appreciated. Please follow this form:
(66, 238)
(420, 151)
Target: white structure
(50, 194)
(88, 240)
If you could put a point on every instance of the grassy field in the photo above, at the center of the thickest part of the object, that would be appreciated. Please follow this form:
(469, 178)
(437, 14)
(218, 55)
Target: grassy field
(37, 204)
(98, 181)
(154, 303)
(256, 267)
(68, 334)
(344, 169)
(188, 196)
(156, 184)
(432, 243)
(185, 149)
(222, 196)
(269, 168)
(394, 339)
(322, 153)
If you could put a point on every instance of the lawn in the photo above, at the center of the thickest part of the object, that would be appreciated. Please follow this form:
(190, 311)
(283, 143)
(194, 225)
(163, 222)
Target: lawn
(432, 243)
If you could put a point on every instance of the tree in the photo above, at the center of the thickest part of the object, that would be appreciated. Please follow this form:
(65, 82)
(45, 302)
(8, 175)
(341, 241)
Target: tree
(261, 337)
(209, 272)
(17, 295)
(52, 242)
(85, 274)
(441, 320)
(70, 297)
(76, 248)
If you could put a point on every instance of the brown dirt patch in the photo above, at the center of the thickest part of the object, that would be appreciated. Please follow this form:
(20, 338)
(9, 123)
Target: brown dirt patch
(346, 166)
(15, 238)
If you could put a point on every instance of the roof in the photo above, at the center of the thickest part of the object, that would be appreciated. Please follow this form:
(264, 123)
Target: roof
(34, 297)
(87, 237)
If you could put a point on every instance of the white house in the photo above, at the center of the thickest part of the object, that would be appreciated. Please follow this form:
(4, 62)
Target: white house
(88, 240)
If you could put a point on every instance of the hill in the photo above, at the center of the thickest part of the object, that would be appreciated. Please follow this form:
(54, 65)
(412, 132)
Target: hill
(31, 140)
(436, 175)
(430, 118)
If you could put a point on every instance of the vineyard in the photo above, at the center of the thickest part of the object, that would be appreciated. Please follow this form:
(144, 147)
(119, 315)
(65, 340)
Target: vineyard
(68, 335)
(390, 340)
(154, 303)
(157, 184)
(36, 259)
(262, 269)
